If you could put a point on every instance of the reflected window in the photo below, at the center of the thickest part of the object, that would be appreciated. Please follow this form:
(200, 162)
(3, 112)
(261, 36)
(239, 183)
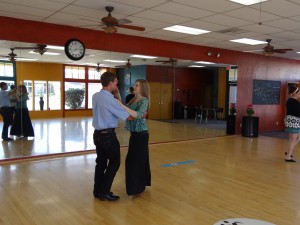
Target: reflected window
(28, 84)
(80, 88)
(6, 69)
(95, 74)
(93, 88)
(40, 91)
(75, 72)
(74, 95)
(54, 95)
(48, 90)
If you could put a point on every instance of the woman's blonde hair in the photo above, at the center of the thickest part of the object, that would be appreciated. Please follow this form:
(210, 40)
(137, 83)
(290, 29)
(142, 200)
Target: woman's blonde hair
(145, 89)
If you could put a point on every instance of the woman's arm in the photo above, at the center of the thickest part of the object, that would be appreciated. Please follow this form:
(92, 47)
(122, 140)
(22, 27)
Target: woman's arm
(130, 111)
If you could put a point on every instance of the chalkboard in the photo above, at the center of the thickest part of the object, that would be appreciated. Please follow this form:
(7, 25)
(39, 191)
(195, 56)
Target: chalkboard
(266, 92)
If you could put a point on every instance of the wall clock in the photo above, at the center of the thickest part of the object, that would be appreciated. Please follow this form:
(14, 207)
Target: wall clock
(74, 49)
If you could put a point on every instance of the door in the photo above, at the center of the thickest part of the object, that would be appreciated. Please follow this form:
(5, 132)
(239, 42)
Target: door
(160, 101)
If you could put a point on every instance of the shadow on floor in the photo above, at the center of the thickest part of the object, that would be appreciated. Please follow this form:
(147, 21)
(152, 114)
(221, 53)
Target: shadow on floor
(276, 134)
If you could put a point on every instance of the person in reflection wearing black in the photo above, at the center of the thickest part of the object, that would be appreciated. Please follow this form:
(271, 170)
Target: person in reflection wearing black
(292, 121)
(137, 165)
(13, 98)
(22, 126)
(5, 111)
(130, 96)
(106, 112)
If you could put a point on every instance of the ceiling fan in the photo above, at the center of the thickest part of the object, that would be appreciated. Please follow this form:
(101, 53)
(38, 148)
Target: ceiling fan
(39, 48)
(11, 56)
(126, 66)
(171, 61)
(98, 68)
(110, 23)
(269, 49)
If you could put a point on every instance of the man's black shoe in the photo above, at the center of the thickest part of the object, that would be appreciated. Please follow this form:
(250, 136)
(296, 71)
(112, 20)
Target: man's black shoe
(8, 139)
(109, 197)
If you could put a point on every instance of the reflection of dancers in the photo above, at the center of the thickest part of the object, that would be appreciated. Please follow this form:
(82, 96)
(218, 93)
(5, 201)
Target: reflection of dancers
(22, 125)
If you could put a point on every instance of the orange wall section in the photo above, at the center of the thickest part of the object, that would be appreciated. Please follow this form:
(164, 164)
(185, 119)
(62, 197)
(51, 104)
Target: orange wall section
(45, 72)
(250, 66)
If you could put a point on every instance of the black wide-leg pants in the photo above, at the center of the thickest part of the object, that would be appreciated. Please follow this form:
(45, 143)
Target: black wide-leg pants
(137, 165)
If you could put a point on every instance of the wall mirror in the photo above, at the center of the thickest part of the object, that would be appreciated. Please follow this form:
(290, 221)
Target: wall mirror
(189, 100)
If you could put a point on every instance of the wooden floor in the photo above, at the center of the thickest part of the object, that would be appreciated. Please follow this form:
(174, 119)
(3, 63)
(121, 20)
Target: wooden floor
(220, 177)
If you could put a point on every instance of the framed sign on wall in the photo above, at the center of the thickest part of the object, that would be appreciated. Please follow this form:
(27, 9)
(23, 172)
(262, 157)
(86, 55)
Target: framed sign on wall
(266, 92)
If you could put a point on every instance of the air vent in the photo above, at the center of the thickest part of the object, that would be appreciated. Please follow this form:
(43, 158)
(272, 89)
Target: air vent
(233, 30)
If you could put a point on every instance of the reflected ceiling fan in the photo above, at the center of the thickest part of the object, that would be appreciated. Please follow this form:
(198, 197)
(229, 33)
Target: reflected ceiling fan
(11, 56)
(98, 68)
(109, 24)
(269, 49)
(39, 48)
(171, 61)
(126, 66)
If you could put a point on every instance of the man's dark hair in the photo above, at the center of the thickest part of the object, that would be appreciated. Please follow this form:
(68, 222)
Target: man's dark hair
(106, 78)
(2, 84)
(131, 89)
(12, 86)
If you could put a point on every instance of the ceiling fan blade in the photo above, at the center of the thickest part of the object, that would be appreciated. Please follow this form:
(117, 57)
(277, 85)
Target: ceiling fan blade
(281, 50)
(130, 27)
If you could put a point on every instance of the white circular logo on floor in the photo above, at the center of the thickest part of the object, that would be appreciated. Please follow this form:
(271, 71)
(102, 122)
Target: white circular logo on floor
(242, 221)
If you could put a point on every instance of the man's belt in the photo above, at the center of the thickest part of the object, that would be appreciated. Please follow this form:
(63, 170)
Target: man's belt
(105, 131)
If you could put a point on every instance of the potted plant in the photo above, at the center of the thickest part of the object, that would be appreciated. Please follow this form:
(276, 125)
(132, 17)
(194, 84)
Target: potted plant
(232, 109)
(250, 110)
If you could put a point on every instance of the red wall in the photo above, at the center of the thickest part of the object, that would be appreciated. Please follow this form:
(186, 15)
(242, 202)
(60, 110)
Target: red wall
(251, 66)
(188, 82)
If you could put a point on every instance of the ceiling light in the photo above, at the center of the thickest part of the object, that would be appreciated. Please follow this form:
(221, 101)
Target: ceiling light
(298, 52)
(25, 59)
(55, 47)
(186, 30)
(195, 66)
(109, 30)
(143, 56)
(248, 2)
(204, 62)
(249, 41)
(114, 61)
(253, 51)
(46, 53)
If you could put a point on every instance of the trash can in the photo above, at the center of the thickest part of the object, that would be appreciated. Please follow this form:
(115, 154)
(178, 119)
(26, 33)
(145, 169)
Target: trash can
(250, 126)
(230, 124)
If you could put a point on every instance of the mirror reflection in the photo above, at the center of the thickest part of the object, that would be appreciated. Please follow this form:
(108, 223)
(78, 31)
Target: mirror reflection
(189, 99)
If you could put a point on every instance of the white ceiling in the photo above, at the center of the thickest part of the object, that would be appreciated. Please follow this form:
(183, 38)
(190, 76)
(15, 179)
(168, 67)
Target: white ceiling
(280, 22)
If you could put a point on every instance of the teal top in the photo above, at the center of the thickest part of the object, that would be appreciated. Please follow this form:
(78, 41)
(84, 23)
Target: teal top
(22, 103)
(139, 123)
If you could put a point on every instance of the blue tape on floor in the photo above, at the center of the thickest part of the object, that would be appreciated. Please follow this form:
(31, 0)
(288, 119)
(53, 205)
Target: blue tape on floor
(178, 163)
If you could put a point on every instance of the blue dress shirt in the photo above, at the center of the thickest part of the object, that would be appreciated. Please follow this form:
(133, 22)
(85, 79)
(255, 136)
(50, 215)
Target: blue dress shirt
(4, 99)
(106, 110)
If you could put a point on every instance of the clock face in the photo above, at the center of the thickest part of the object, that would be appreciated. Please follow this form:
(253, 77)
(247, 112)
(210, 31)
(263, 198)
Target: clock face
(74, 49)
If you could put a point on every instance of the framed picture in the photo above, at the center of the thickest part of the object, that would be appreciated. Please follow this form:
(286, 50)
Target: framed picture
(266, 92)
